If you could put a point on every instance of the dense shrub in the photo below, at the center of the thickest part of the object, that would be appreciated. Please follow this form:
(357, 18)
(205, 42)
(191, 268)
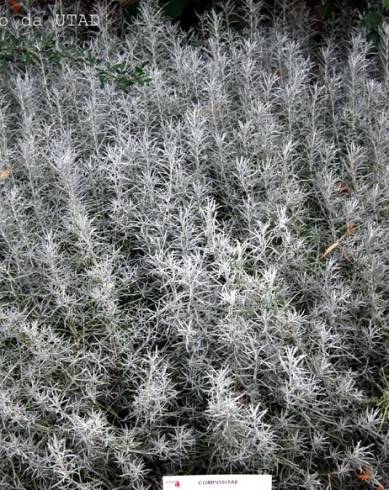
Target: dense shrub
(194, 272)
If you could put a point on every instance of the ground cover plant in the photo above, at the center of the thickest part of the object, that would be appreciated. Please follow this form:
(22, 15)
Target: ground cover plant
(194, 264)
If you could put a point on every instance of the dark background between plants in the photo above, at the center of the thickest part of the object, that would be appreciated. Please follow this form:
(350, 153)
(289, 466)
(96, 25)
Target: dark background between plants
(20, 52)
(370, 13)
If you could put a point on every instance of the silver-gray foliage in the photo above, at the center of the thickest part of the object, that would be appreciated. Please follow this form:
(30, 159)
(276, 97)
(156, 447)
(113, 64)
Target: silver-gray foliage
(165, 304)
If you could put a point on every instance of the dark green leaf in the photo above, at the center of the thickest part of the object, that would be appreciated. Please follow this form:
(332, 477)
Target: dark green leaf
(327, 10)
(372, 20)
(174, 8)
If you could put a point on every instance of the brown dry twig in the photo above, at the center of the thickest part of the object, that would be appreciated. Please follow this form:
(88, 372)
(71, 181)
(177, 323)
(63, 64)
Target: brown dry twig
(342, 188)
(349, 231)
(367, 475)
(5, 173)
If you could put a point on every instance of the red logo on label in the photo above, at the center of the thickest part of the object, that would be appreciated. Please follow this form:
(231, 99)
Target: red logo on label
(177, 484)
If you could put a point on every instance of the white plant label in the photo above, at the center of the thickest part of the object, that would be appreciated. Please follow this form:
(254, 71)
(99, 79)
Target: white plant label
(217, 482)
